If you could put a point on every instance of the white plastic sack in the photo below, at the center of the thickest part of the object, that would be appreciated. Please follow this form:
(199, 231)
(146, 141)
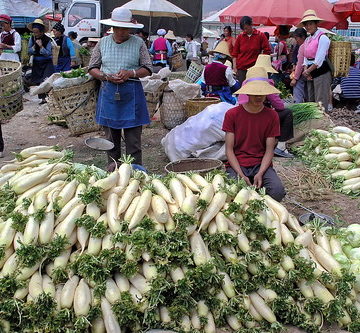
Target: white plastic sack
(62, 82)
(46, 86)
(217, 151)
(153, 83)
(197, 133)
(184, 90)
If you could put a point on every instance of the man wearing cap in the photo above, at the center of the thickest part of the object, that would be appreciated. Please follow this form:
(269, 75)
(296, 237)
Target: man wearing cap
(10, 40)
(119, 60)
(317, 70)
(161, 49)
(251, 131)
(218, 78)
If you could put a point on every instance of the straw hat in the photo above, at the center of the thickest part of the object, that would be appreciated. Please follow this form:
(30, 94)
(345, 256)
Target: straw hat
(222, 48)
(264, 61)
(257, 83)
(310, 15)
(170, 35)
(122, 18)
(37, 21)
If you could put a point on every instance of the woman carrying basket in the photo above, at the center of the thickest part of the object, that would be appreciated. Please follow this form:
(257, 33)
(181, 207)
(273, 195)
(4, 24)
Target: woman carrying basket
(119, 60)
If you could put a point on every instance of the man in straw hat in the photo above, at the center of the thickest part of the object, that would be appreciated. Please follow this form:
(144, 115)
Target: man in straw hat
(118, 61)
(317, 68)
(161, 49)
(275, 102)
(218, 78)
(251, 131)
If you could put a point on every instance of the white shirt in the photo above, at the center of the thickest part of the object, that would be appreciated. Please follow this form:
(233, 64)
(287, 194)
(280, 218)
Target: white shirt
(16, 48)
(191, 49)
(228, 74)
(322, 51)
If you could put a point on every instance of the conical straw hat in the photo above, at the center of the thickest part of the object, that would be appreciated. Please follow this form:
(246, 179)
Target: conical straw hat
(257, 83)
(222, 48)
(310, 15)
(264, 61)
(170, 35)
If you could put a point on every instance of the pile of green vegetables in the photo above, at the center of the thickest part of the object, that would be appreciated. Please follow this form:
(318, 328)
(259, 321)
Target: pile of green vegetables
(84, 51)
(81, 252)
(74, 73)
(306, 111)
(335, 153)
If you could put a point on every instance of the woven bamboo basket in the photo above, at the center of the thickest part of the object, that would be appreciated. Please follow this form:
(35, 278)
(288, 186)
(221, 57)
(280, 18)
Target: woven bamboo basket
(195, 105)
(153, 99)
(11, 89)
(177, 75)
(176, 61)
(172, 110)
(193, 73)
(78, 106)
(55, 116)
(198, 165)
(340, 55)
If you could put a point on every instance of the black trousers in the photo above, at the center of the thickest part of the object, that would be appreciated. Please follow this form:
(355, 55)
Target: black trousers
(241, 75)
(286, 125)
(1, 140)
(132, 138)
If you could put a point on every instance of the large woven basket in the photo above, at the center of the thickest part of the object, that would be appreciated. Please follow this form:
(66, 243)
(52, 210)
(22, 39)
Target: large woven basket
(193, 73)
(195, 105)
(198, 165)
(78, 106)
(11, 89)
(153, 99)
(176, 61)
(172, 110)
(340, 56)
(55, 116)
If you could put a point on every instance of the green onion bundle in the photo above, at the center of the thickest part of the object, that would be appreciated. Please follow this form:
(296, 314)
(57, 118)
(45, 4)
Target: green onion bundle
(306, 111)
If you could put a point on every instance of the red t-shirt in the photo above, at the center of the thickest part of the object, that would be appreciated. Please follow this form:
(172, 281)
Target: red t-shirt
(247, 49)
(251, 131)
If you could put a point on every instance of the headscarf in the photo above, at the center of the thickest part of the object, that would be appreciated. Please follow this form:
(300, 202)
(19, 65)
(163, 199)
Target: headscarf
(59, 27)
(161, 32)
(5, 18)
(219, 56)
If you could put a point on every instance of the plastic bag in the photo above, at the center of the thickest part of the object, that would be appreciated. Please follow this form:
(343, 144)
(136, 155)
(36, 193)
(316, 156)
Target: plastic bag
(62, 82)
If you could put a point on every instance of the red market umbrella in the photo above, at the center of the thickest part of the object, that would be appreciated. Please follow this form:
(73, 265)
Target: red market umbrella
(348, 8)
(280, 12)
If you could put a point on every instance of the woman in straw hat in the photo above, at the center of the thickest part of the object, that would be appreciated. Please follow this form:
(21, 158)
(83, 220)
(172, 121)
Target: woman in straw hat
(251, 131)
(161, 49)
(40, 48)
(172, 40)
(275, 102)
(118, 61)
(317, 70)
(218, 78)
(10, 40)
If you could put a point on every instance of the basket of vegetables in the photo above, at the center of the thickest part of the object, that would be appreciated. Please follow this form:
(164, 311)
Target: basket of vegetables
(77, 103)
(11, 89)
(126, 252)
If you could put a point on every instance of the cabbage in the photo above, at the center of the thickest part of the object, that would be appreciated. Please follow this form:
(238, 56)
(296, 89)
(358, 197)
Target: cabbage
(347, 248)
(342, 260)
(354, 253)
(354, 234)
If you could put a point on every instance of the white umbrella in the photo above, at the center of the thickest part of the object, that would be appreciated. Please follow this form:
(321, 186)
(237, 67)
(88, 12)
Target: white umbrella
(155, 8)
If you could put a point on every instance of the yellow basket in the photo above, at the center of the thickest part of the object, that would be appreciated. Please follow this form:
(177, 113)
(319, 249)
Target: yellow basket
(176, 61)
(195, 105)
(340, 55)
(11, 89)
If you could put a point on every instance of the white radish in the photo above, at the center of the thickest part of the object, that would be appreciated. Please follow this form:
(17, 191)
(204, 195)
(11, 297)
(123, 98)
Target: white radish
(93, 210)
(122, 282)
(128, 196)
(160, 209)
(207, 193)
(177, 274)
(68, 292)
(111, 323)
(140, 283)
(94, 245)
(327, 260)
(177, 190)
(35, 285)
(108, 182)
(48, 285)
(262, 308)
(187, 181)
(82, 237)
(124, 174)
(243, 242)
(67, 209)
(214, 207)
(189, 204)
(227, 285)
(67, 226)
(149, 270)
(199, 249)
(162, 190)
(98, 326)
(82, 299)
(199, 180)
(131, 210)
(218, 182)
(31, 232)
(112, 292)
(141, 208)
(67, 193)
(47, 226)
(7, 234)
(280, 210)
(111, 209)
(286, 235)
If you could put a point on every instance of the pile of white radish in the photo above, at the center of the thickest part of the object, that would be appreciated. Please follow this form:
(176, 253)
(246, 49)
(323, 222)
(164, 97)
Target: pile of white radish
(130, 252)
(337, 154)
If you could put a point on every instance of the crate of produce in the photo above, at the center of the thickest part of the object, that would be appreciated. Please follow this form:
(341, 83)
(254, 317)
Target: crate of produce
(195, 105)
(340, 55)
(197, 165)
(78, 106)
(11, 89)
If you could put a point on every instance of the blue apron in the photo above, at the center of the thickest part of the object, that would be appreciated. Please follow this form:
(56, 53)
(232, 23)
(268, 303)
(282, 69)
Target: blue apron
(63, 65)
(128, 111)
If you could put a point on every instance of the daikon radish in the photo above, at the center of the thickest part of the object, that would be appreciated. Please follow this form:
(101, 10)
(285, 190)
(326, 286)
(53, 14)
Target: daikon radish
(62, 259)
(286, 235)
(243, 242)
(294, 225)
(94, 245)
(68, 292)
(141, 208)
(47, 226)
(227, 285)
(112, 292)
(67, 209)
(287, 263)
(67, 193)
(7, 234)
(21, 293)
(305, 289)
(149, 269)
(128, 196)
(35, 285)
(27, 152)
(327, 260)
(210, 327)
(112, 205)
(323, 241)
(262, 308)
(198, 249)
(177, 190)
(222, 222)
(254, 313)
(160, 209)
(187, 181)
(280, 210)
(66, 227)
(48, 286)
(31, 232)
(218, 182)
(214, 207)
(189, 204)
(10, 265)
(165, 315)
(82, 299)
(321, 292)
(276, 228)
(162, 190)
(131, 209)
(98, 326)
(8, 252)
(335, 246)
(140, 283)
(177, 274)
(108, 182)
(124, 171)
(344, 130)
(122, 282)
(93, 210)
(268, 295)
(111, 323)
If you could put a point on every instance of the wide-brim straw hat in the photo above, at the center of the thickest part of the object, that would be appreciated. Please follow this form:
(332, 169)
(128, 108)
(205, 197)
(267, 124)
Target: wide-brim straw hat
(257, 83)
(310, 15)
(170, 35)
(264, 61)
(222, 48)
(122, 18)
(37, 21)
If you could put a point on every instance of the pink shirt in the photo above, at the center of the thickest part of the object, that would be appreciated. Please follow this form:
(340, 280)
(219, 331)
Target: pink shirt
(300, 62)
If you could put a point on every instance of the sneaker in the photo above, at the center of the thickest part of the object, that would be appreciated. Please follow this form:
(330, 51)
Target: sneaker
(43, 101)
(1, 154)
(283, 153)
